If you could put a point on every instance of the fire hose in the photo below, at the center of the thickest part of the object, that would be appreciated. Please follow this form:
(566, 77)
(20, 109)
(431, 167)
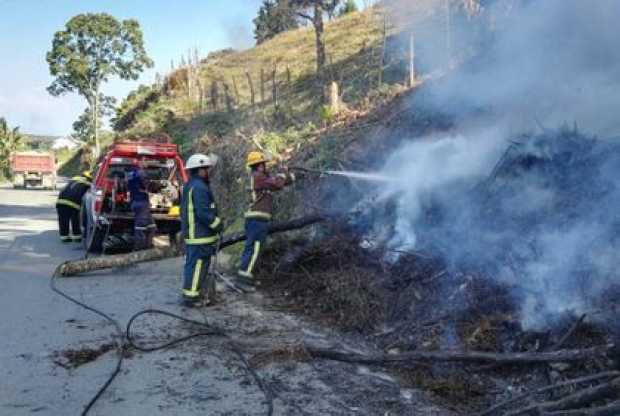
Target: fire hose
(122, 336)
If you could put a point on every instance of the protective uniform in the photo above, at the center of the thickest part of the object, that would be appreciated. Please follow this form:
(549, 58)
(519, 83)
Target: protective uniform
(257, 218)
(68, 207)
(144, 226)
(200, 226)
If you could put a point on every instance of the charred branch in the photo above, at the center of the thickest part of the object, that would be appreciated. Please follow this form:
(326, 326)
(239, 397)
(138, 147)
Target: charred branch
(460, 356)
(581, 380)
(577, 400)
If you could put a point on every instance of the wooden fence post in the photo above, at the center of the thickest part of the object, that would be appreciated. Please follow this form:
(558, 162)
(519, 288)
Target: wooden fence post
(228, 98)
(251, 85)
(234, 81)
(214, 95)
(262, 85)
(274, 86)
(334, 97)
(288, 75)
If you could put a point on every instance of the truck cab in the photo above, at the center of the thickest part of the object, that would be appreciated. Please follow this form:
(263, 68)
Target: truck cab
(106, 210)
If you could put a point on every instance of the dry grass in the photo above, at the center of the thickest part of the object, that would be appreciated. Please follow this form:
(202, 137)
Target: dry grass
(332, 281)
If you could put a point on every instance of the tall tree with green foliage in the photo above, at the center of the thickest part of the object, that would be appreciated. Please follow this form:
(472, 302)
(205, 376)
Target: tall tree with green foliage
(349, 6)
(274, 16)
(11, 140)
(90, 50)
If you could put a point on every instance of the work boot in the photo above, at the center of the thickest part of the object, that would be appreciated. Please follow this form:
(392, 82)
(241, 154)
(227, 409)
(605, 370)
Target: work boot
(191, 302)
(246, 284)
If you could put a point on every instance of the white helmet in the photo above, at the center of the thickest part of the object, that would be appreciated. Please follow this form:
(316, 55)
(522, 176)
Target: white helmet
(201, 161)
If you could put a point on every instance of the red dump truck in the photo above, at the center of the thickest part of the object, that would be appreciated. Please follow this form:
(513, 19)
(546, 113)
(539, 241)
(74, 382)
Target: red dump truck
(33, 169)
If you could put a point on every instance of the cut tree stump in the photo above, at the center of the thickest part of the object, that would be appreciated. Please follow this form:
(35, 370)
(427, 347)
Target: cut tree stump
(74, 268)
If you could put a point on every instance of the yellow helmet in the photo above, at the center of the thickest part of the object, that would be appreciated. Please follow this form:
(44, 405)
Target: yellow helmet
(87, 174)
(174, 211)
(254, 158)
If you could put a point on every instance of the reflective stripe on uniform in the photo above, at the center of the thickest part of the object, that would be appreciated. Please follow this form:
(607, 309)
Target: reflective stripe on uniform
(254, 257)
(205, 240)
(68, 203)
(244, 273)
(190, 293)
(190, 216)
(65, 238)
(81, 180)
(258, 214)
(196, 277)
(217, 221)
(252, 188)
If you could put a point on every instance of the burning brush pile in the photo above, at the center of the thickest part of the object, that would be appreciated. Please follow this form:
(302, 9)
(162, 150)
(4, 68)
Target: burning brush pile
(519, 261)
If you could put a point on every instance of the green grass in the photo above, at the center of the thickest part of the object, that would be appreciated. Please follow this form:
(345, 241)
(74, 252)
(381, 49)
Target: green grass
(300, 123)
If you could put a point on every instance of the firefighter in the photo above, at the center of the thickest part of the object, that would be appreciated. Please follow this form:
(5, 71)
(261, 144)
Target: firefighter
(144, 225)
(68, 207)
(257, 218)
(200, 226)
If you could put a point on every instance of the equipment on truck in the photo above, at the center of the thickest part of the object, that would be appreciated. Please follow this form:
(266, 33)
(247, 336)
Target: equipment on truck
(106, 210)
(33, 169)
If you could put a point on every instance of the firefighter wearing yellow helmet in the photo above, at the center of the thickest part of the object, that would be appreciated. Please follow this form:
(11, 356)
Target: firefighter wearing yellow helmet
(262, 184)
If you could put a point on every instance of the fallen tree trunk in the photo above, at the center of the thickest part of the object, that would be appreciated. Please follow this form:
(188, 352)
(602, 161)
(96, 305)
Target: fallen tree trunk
(276, 227)
(91, 264)
(463, 356)
(73, 268)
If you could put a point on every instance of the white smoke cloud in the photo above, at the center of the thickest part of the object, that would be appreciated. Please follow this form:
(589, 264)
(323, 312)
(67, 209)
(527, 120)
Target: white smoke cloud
(553, 61)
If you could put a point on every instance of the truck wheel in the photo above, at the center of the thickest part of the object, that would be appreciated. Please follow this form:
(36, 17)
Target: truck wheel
(93, 235)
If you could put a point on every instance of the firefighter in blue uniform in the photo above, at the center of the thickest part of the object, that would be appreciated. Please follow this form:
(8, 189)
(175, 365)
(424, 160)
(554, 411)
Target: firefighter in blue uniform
(144, 225)
(200, 226)
(68, 207)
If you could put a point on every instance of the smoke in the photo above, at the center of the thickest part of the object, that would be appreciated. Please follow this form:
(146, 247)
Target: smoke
(555, 61)
(545, 223)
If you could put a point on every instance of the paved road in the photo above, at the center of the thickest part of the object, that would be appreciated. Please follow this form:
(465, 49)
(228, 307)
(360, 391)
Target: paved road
(197, 378)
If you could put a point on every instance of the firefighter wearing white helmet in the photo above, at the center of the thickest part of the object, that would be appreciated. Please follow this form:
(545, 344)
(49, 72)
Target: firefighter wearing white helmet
(200, 226)
(201, 161)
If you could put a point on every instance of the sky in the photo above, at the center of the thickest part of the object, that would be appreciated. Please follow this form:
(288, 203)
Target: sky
(170, 29)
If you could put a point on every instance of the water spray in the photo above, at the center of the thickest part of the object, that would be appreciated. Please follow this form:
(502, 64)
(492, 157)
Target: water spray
(362, 176)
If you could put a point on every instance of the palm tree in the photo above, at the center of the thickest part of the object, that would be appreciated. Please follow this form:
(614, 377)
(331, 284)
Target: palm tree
(10, 141)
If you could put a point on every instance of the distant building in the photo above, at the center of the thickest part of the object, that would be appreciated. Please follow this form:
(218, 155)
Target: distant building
(64, 143)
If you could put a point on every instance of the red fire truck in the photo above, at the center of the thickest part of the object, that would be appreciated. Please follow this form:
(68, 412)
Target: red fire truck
(106, 211)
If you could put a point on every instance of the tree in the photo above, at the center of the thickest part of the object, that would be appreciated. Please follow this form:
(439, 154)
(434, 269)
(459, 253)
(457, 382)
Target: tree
(348, 7)
(313, 11)
(274, 16)
(83, 127)
(91, 49)
(10, 141)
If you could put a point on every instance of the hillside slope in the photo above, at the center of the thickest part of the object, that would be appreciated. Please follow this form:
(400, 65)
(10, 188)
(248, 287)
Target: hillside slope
(208, 106)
